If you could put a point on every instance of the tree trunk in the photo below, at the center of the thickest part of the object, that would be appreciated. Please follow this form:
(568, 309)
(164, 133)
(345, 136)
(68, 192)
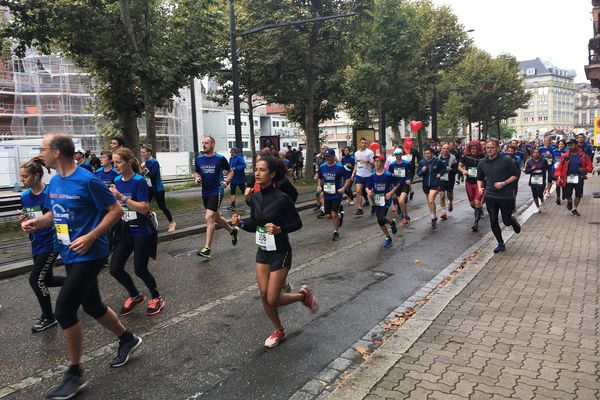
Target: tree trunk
(127, 25)
(131, 134)
(149, 113)
(251, 118)
(311, 134)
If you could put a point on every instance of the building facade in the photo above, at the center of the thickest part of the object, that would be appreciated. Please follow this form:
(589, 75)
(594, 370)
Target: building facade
(587, 106)
(552, 104)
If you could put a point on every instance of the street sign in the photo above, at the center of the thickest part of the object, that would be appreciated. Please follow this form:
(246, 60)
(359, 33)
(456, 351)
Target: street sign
(597, 131)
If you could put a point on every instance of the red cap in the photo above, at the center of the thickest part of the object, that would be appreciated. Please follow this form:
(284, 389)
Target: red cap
(381, 157)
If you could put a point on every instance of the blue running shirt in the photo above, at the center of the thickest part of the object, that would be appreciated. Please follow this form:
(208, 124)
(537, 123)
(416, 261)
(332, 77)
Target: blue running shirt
(211, 171)
(34, 206)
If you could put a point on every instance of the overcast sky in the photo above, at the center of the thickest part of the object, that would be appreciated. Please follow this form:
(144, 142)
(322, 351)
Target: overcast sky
(555, 30)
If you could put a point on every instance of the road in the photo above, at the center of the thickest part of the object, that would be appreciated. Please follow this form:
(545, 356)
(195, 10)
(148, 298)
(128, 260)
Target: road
(208, 342)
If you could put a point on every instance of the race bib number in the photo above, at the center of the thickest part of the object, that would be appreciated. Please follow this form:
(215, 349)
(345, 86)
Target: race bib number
(148, 181)
(444, 178)
(549, 161)
(400, 172)
(329, 187)
(33, 212)
(128, 215)
(556, 164)
(472, 172)
(62, 233)
(573, 179)
(537, 179)
(264, 240)
(380, 199)
(348, 167)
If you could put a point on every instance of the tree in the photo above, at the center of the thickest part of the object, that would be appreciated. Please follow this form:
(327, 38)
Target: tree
(138, 54)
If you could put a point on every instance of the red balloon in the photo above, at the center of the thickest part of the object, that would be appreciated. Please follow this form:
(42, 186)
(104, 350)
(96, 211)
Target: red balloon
(408, 143)
(416, 126)
(374, 146)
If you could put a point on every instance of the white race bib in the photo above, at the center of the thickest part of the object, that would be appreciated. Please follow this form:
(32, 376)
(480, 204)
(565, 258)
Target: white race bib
(549, 161)
(33, 212)
(400, 172)
(62, 233)
(128, 215)
(265, 240)
(556, 164)
(472, 172)
(444, 178)
(380, 199)
(329, 187)
(573, 179)
(537, 179)
(149, 182)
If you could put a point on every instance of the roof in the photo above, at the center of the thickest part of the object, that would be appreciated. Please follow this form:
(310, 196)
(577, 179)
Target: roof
(540, 67)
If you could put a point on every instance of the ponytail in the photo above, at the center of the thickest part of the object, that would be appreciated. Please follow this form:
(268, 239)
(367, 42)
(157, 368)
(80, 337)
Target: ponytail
(35, 166)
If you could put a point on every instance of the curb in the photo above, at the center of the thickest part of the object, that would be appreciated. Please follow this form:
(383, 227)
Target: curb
(354, 373)
(21, 267)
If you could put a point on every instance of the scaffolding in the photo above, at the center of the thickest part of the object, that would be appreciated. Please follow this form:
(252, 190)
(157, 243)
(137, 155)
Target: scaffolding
(41, 94)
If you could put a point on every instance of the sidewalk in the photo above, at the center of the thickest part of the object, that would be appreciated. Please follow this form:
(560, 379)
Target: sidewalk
(526, 326)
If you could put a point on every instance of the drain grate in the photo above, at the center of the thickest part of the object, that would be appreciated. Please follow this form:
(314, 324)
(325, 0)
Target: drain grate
(595, 222)
(596, 195)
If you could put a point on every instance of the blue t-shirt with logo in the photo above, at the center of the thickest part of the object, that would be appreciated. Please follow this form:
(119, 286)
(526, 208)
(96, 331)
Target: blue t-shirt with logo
(43, 241)
(238, 165)
(88, 166)
(380, 185)
(332, 178)
(108, 177)
(401, 171)
(574, 165)
(211, 171)
(556, 154)
(154, 167)
(79, 203)
(348, 162)
(135, 189)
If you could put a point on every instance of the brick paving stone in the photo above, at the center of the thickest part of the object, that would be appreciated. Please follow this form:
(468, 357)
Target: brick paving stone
(526, 327)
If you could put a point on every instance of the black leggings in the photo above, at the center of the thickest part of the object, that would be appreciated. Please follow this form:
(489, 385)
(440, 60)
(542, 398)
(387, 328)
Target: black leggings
(160, 200)
(382, 215)
(41, 278)
(141, 248)
(505, 207)
(537, 191)
(80, 289)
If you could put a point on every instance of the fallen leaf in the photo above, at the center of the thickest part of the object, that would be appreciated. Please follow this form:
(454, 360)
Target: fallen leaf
(364, 352)
(378, 342)
(417, 261)
(423, 300)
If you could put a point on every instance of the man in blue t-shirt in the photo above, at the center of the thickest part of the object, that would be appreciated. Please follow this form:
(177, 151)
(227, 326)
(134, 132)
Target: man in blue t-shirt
(237, 164)
(107, 173)
(332, 183)
(214, 172)
(82, 210)
(81, 160)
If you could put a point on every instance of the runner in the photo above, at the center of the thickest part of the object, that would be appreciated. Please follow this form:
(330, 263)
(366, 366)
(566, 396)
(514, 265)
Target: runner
(362, 171)
(209, 170)
(317, 161)
(106, 173)
(571, 172)
(381, 187)
(546, 150)
(82, 210)
(431, 169)
(80, 159)
(43, 241)
(238, 165)
(447, 180)
(413, 156)
(272, 217)
(135, 234)
(401, 170)
(537, 167)
(332, 183)
(468, 168)
(585, 146)
(117, 142)
(512, 154)
(561, 148)
(348, 161)
(495, 175)
(150, 170)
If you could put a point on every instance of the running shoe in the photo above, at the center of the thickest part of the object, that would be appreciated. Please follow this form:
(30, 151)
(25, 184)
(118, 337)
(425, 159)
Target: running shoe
(335, 237)
(450, 207)
(130, 304)
(351, 203)
(444, 216)
(231, 207)
(475, 226)
(309, 300)
(387, 243)
(125, 350)
(287, 288)
(171, 226)
(576, 213)
(569, 205)
(276, 337)
(359, 211)
(70, 386)
(411, 195)
(234, 235)
(153, 220)
(155, 306)
(321, 215)
(516, 226)
(367, 204)
(500, 248)
(43, 324)
(558, 202)
(394, 227)
(204, 252)
(405, 220)
(434, 222)
(342, 218)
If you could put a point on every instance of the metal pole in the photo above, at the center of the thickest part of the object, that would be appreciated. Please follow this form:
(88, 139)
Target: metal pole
(194, 119)
(434, 121)
(235, 79)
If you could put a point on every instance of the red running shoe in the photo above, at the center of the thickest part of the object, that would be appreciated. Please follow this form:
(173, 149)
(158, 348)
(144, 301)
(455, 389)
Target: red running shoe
(276, 337)
(444, 216)
(155, 306)
(309, 300)
(130, 304)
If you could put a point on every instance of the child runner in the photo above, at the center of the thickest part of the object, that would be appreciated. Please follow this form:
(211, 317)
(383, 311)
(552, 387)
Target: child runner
(381, 187)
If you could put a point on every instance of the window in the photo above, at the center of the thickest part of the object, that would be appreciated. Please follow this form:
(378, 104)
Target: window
(231, 121)
(2, 105)
(51, 105)
(530, 71)
(255, 122)
(275, 124)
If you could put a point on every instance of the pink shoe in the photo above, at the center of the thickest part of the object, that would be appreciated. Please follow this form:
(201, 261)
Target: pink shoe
(309, 300)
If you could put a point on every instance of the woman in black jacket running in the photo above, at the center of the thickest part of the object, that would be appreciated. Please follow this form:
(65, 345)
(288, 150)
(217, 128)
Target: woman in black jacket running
(273, 215)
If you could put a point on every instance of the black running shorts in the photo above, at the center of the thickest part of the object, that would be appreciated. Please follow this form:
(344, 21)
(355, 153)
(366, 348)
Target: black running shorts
(276, 259)
(212, 202)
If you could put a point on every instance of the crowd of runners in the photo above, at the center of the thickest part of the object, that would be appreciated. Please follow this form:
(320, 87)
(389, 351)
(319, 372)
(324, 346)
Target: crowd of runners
(97, 216)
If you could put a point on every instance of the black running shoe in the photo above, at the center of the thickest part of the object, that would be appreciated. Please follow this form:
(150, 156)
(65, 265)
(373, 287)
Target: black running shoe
(234, 235)
(569, 205)
(411, 195)
(516, 226)
(367, 204)
(321, 215)
(341, 218)
(335, 237)
(500, 248)
(125, 350)
(576, 213)
(359, 211)
(70, 386)
(475, 226)
(43, 324)
(434, 223)
(558, 202)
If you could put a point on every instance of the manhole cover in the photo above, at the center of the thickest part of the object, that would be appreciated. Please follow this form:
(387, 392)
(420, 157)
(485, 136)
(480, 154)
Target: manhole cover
(596, 195)
(595, 222)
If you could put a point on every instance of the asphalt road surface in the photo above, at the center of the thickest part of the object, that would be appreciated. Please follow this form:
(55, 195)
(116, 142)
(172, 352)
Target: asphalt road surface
(208, 341)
